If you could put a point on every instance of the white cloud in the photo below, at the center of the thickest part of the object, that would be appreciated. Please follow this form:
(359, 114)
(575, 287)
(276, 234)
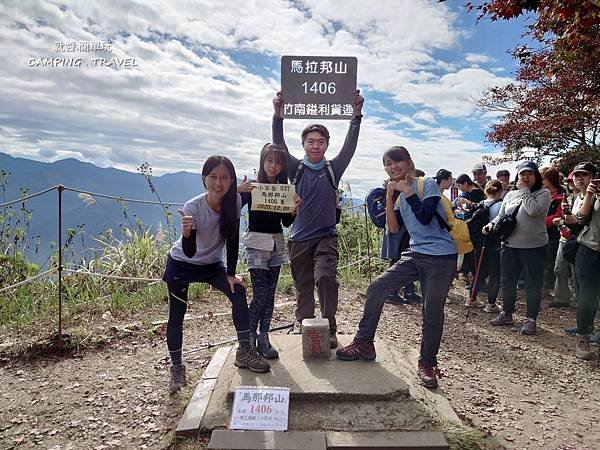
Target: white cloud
(192, 93)
(425, 116)
(477, 58)
(452, 94)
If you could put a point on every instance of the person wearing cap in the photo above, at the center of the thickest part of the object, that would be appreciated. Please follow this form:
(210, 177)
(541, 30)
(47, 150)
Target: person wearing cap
(587, 260)
(504, 177)
(570, 185)
(480, 174)
(524, 250)
(563, 270)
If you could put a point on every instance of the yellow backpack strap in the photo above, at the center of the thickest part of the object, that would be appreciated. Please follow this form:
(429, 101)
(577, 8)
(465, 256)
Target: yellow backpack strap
(421, 187)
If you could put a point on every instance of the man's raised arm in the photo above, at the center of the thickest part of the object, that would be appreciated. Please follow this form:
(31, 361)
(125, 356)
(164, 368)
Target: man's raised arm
(341, 161)
(277, 129)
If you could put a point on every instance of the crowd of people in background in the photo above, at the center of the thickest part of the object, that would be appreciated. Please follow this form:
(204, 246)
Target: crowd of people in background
(540, 231)
(552, 250)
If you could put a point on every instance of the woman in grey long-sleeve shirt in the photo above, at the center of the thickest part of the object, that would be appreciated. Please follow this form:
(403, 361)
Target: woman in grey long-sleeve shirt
(525, 249)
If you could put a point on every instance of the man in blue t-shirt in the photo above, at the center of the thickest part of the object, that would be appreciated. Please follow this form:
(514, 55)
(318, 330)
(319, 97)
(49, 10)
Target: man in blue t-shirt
(313, 243)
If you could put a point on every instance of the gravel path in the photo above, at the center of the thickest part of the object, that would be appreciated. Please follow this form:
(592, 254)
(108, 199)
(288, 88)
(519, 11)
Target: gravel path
(528, 392)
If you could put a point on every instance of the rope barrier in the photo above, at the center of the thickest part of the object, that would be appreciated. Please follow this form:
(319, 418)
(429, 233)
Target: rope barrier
(229, 341)
(355, 206)
(29, 280)
(116, 277)
(22, 199)
(354, 263)
(124, 199)
(112, 197)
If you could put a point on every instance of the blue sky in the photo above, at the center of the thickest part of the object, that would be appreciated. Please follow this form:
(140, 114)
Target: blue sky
(204, 74)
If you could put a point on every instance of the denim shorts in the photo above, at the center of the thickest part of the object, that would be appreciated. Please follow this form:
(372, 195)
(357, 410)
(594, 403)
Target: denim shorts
(263, 259)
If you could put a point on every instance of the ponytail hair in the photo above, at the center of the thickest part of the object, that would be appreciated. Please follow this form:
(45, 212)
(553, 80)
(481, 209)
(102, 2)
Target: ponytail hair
(493, 187)
(228, 221)
(464, 178)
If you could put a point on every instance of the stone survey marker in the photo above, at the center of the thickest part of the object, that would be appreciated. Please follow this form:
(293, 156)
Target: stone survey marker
(315, 339)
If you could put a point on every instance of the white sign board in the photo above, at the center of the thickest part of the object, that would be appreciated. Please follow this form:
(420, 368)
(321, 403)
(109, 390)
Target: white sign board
(273, 197)
(262, 408)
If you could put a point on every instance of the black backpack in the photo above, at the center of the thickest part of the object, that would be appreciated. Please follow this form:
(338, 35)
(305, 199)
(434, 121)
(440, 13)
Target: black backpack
(476, 219)
(331, 176)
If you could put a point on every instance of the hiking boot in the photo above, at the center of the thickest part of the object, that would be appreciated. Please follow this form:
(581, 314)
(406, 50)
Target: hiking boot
(473, 303)
(428, 376)
(395, 299)
(492, 308)
(595, 340)
(357, 350)
(502, 319)
(583, 350)
(333, 340)
(529, 327)
(248, 358)
(571, 330)
(412, 297)
(264, 346)
(177, 378)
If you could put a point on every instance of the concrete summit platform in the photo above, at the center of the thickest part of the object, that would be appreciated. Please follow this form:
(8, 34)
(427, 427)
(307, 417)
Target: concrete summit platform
(326, 380)
(326, 396)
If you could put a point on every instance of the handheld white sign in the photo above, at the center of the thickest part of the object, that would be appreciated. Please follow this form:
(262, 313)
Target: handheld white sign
(273, 197)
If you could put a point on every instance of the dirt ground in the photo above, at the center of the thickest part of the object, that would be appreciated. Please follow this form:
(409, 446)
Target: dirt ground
(529, 392)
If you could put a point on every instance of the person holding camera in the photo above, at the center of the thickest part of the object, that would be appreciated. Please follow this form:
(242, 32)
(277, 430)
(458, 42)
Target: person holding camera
(524, 250)
(568, 226)
(587, 262)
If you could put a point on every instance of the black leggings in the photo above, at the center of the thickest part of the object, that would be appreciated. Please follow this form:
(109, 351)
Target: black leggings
(178, 297)
(264, 283)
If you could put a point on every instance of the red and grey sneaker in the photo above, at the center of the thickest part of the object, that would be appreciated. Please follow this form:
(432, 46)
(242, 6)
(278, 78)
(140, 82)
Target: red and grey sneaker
(357, 350)
(429, 375)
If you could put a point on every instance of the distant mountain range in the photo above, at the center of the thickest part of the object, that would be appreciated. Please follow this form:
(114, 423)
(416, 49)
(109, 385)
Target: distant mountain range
(95, 214)
(91, 215)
